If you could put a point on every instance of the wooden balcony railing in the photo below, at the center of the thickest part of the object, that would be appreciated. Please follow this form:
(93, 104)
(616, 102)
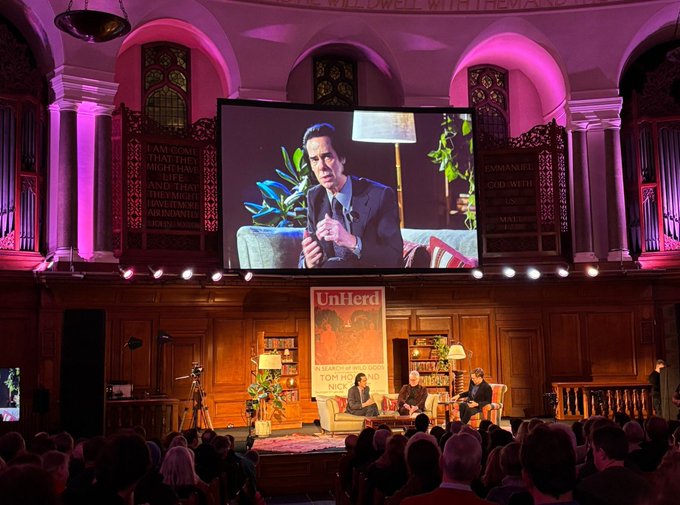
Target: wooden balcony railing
(582, 400)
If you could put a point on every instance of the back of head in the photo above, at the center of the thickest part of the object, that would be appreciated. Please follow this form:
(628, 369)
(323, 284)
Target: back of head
(634, 432)
(27, 485)
(549, 460)
(422, 422)
(207, 436)
(462, 458)
(380, 439)
(222, 445)
(63, 442)
(178, 467)
(657, 429)
(351, 441)
(422, 458)
(395, 449)
(612, 441)
(11, 444)
(53, 461)
(42, 443)
(510, 463)
(123, 461)
(92, 448)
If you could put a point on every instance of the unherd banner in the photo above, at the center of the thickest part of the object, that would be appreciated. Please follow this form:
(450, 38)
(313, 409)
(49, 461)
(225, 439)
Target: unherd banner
(348, 337)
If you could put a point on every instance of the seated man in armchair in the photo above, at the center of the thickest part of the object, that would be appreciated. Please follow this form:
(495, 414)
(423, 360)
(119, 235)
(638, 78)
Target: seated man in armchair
(412, 396)
(359, 401)
(478, 395)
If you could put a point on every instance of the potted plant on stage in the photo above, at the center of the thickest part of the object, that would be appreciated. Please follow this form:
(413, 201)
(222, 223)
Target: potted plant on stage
(267, 393)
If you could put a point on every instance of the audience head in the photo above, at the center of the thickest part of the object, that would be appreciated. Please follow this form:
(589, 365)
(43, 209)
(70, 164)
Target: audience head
(191, 436)
(621, 418)
(222, 445)
(455, 427)
(351, 441)
(169, 438)
(567, 430)
(63, 442)
(484, 425)
(499, 438)
(177, 468)
(577, 428)
(444, 438)
(422, 457)
(466, 428)
(364, 449)
(422, 422)
(548, 461)
(657, 429)
(609, 444)
(123, 461)
(634, 432)
(27, 484)
(178, 441)
(207, 436)
(410, 432)
(92, 448)
(380, 440)
(26, 458)
(437, 432)
(11, 444)
(515, 423)
(395, 450)
(510, 463)
(462, 458)
(42, 443)
(140, 430)
(56, 464)
(154, 454)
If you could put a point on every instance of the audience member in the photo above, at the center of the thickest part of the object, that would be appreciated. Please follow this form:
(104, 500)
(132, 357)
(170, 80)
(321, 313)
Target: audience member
(151, 489)
(11, 444)
(41, 443)
(63, 442)
(549, 465)
(461, 464)
(422, 422)
(380, 440)
(515, 423)
(437, 432)
(56, 464)
(388, 473)
(512, 481)
(26, 485)
(656, 446)
(665, 488)
(178, 472)
(613, 484)
(493, 474)
(424, 473)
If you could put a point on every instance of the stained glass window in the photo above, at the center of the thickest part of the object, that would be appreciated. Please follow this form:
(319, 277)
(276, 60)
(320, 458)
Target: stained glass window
(488, 94)
(335, 81)
(166, 79)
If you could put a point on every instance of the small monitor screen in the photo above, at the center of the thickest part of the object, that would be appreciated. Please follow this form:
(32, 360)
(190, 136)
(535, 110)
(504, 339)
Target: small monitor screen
(9, 394)
(308, 189)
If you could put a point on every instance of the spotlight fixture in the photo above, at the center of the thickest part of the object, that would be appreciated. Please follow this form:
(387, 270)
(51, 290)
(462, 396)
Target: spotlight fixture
(533, 273)
(92, 25)
(592, 271)
(477, 273)
(509, 272)
(247, 276)
(156, 273)
(126, 273)
(217, 276)
(188, 274)
(563, 271)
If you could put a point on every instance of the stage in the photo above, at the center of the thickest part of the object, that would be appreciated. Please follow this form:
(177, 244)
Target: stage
(307, 468)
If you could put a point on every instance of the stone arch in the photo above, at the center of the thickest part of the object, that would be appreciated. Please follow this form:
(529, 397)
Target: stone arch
(538, 88)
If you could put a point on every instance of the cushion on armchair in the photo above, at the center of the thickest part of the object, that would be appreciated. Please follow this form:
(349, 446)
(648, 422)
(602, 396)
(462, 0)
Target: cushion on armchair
(445, 256)
(342, 403)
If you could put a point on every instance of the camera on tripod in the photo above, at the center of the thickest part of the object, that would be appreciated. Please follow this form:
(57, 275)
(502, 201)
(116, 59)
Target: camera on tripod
(196, 370)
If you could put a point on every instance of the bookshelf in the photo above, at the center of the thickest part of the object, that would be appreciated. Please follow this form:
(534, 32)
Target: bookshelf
(286, 345)
(423, 356)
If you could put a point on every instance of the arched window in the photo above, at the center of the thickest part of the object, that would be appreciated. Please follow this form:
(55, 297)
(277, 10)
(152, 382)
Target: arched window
(166, 77)
(22, 131)
(488, 93)
(335, 81)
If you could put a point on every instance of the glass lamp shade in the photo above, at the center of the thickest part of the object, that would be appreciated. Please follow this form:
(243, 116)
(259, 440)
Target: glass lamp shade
(456, 351)
(91, 25)
(384, 127)
(269, 362)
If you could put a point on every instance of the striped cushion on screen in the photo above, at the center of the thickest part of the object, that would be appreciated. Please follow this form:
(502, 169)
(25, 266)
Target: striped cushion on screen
(445, 256)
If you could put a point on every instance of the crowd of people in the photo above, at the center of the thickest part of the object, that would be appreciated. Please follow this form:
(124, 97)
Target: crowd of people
(600, 461)
(126, 469)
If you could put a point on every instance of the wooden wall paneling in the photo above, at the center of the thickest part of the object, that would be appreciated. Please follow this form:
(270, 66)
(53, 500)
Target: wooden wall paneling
(565, 359)
(308, 408)
(397, 329)
(475, 334)
(135, 366)
(611, 345)
(230, 371)
(521, 369)
(428, 321)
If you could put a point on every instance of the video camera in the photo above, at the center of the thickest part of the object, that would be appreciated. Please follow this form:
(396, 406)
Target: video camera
(196, 369)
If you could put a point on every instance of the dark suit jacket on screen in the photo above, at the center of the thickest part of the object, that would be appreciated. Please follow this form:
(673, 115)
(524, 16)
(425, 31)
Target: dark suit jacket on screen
(374, 219)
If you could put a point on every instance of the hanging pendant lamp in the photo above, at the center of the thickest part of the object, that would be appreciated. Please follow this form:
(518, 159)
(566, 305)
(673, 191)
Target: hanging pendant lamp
(91, 25)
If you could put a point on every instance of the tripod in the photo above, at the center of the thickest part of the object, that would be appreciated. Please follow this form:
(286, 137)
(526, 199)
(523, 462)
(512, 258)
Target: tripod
(199, 412)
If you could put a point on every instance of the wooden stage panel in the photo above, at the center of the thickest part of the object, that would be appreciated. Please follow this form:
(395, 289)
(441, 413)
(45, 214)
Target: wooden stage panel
(287, 474)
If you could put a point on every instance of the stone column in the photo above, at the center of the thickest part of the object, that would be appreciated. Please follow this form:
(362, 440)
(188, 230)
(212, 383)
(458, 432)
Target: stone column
(103, 249)
(583, 226)
(616, 206)
(67, 183)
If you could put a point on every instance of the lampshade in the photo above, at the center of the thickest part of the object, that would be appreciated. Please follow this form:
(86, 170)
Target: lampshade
(384, 127)
(133, 343)
(456, 351)
(91, 25)
(269, 362)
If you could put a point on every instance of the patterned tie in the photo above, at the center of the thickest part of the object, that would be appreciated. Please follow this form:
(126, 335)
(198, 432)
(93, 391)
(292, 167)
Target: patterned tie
(339, 216)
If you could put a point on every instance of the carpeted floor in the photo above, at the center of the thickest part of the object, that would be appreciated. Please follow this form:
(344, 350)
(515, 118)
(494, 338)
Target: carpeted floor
(299, 443)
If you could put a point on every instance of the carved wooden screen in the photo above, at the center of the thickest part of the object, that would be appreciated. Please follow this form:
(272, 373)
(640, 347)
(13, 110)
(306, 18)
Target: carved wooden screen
(165, 193)
(651, 162)
(22, 131)
(488, 92)
(522, 190)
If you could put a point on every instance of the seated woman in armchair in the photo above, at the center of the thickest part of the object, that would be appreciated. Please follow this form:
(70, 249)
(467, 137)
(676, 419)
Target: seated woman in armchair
(359, 401)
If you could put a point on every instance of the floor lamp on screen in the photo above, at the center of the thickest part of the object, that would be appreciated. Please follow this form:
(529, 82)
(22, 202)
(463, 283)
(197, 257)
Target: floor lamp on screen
(386, 128)
(161, 339)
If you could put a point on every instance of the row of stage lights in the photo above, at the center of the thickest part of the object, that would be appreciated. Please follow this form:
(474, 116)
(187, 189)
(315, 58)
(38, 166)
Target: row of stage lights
(534, 273)
(186, 274)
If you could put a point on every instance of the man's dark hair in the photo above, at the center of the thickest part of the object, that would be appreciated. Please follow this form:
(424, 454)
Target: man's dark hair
(612, 440)
(358, 378)
(549, 460)
(422, 422)
(323, 130)
(123, 461)
(478, 372)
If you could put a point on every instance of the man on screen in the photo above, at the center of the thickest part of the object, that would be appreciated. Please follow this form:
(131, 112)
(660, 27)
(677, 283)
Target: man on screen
(351, 221)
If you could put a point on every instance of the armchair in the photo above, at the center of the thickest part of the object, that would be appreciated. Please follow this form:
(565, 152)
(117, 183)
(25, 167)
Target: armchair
(493, 411)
